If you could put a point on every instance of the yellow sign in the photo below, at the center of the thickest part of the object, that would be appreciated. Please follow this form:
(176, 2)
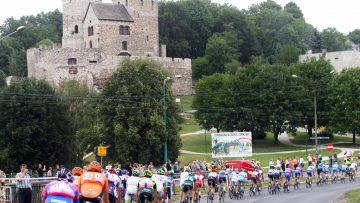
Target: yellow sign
(101, 151)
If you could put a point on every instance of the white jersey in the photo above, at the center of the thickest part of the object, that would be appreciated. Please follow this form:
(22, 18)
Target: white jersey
(353, 166)
(234, 177)
(160, 181)
(183, 176)
(132, 184)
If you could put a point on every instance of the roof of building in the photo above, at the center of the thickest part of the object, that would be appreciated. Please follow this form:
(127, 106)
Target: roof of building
(109, 11)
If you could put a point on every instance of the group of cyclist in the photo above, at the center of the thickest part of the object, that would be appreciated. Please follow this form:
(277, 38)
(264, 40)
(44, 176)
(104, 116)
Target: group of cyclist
(96, 185)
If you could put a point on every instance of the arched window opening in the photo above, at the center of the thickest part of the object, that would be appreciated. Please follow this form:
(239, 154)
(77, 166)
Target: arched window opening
(90, 44)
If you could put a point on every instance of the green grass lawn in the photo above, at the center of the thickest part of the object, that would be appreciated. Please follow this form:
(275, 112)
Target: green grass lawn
(196, 143)
(264, 159)
(185, 103)
(189, 124)
(300, 138)
(353, 196)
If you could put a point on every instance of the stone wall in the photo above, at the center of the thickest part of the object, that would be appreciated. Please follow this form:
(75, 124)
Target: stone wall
(93, 67)
(340, 60)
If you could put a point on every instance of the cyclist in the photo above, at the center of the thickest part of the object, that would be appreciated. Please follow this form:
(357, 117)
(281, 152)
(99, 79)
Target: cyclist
(271, 173)
(320, 170)
(61, 190)
(212, 178)
(77, 172)
(287, 175)
(186, 184)
(199, 182)
(352, 168)
(335, 170)
(242, 179)
(326, 170)
(344, 169)
(223, 178)
(161, 184)
(94, 185)
(115, 185)
(277, 174)
(146, 188)
(132, 186)
(255, 181)
(234, 178)
(298, 172)
(310, 172)
(170, 185)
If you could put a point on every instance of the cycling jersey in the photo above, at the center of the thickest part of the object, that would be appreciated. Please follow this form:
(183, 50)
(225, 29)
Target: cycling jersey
(298, 171)
(160, 183)
(131, 187)
(76, 180)
(344, 168)
(213, 175)
(326, 168)
(287, 173)
(188, 184)
(242, 178)
(170, 183)
(222, 176)
(234, 177)
(61, 191)
(146, 187)
(335, 168)
(353, 166)
(271, 173)
(114, 183)
(183, 177)
(199, 180)
(92, 184)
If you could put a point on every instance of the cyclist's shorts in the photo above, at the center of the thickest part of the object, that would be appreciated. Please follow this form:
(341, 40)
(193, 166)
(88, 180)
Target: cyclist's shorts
(199, 183)
(271, 177)
(222, 179)
(276, 176)
(319, 171)
(335, 170)
(168, 192)
(287, 176)
(187, 188)
(241, 179)
(310, 174)
(297, 174)
(211, 182)
(235, 182)
(254, 179)
(92, 200)
(146, 193)
(112, 198)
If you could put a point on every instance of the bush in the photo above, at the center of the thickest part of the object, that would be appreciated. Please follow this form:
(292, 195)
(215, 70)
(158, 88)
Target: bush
(326, 133)
(259, 135)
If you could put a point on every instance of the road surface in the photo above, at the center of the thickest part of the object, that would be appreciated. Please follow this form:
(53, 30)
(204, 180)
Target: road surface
(324, 194)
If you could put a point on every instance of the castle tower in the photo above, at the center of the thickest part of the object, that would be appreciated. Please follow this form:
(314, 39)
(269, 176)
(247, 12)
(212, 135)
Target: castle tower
(73, 16)
(145, 32)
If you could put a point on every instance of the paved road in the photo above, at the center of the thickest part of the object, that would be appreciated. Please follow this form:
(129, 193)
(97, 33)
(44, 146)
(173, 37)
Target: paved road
(325, 194)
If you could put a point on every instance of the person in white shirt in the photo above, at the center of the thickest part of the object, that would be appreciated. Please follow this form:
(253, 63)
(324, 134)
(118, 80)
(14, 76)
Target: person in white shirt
(271, 163)
(301, 162)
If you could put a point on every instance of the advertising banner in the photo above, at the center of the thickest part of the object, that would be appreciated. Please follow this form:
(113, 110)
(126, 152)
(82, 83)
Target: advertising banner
(231, 144)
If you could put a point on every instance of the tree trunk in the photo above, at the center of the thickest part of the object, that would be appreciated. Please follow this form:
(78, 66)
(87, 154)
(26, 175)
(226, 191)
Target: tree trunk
(309, 131)
(354, 137)
(276, 134)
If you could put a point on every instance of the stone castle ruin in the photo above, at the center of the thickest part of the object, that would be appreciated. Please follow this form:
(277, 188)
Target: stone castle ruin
(98, 36)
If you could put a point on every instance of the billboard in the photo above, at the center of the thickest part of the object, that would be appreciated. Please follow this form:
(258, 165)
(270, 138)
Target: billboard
(231, 144)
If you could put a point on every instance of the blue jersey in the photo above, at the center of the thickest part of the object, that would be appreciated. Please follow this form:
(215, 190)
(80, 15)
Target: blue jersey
(222, 174)
(310, 169)
(320, 166)
(344, 167)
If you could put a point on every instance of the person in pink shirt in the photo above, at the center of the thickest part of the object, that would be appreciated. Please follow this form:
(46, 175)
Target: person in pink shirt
(61, 190)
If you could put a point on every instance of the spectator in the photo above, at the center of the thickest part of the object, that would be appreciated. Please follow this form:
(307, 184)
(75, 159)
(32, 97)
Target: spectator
(301, 162)
(23, 184)
(168, 165)
(49, 172)
(40, 171)
(309, 159)
(335, 157)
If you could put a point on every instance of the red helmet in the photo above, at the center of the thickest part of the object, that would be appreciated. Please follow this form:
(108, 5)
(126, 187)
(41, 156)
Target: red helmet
(94, 166)
(77, 171)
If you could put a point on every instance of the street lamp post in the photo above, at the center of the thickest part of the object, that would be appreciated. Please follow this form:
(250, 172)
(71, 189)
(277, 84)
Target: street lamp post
(205, 137)
(17, 30)
(164, 116)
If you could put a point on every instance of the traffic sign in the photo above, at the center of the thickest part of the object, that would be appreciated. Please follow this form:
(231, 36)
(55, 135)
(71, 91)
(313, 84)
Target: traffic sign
(320, 138)
(101, 151)
(330, 147)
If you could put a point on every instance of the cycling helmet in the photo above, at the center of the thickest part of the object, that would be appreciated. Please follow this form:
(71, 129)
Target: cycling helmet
(64, 174)
(160, 172)
(77, 171)
(136, 173)
(94, 166)
(148, 174)
(125, 172)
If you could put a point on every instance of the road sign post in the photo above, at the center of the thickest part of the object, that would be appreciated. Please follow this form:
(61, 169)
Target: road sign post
(101, 152)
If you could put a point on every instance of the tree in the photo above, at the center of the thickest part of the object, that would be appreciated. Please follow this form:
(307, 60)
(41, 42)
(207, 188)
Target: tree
(316, 42)
(313, 76)
(354, 36)
(288, 54)
(2, 79)
(210, 101)
(344, 102)
(294, 9)
(34, 127)
(334, 40)
(132, 116)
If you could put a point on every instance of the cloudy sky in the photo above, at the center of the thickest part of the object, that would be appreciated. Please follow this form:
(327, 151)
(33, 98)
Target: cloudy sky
(343, 15)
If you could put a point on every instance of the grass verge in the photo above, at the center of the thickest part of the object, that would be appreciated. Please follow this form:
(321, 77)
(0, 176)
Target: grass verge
(189, 124)
(353, 196)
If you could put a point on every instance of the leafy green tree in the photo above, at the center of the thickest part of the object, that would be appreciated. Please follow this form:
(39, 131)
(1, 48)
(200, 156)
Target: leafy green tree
(344, 102)
(34, 128)
(334, 40)
(2, 79)
(294, 9)
(132, 115)
(316, 42)
(46, 42)
(354, 36)
(313, 76)
(209, 101)
(288, 54)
